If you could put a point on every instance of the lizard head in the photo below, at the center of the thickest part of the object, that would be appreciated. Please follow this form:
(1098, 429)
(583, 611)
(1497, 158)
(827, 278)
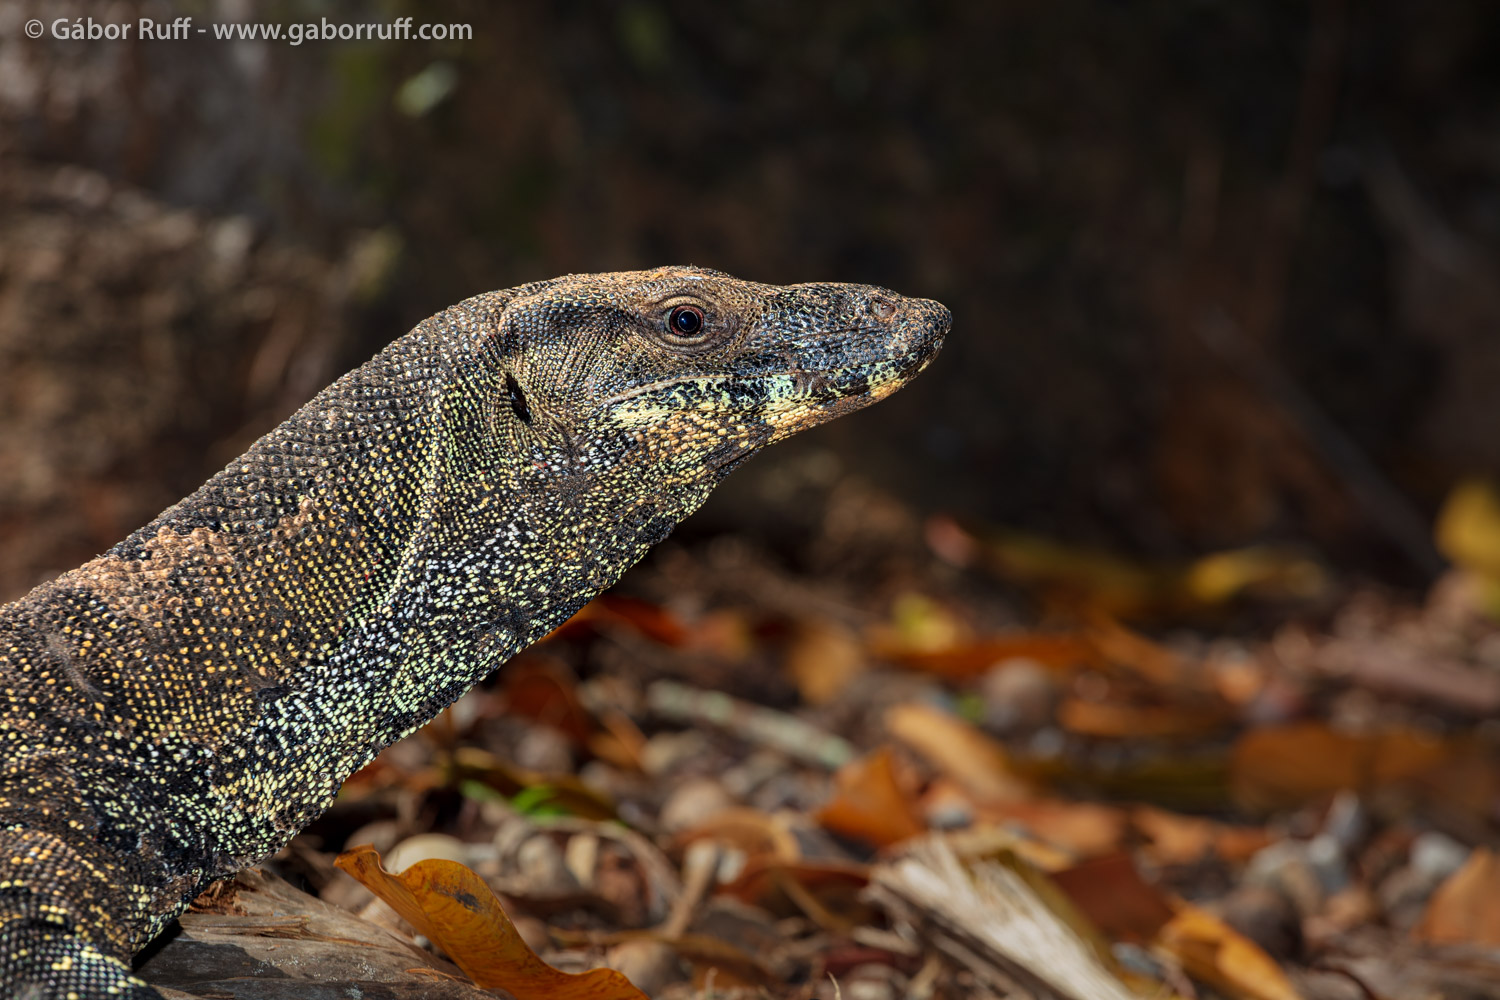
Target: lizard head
(681, 373)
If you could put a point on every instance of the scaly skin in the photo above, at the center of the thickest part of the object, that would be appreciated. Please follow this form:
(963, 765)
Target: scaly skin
(178, 708)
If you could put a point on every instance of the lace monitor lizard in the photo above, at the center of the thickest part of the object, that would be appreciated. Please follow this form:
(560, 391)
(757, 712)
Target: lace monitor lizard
(178, 708)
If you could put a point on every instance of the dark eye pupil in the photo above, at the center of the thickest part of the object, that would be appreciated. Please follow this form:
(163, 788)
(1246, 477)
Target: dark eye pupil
(686, 321)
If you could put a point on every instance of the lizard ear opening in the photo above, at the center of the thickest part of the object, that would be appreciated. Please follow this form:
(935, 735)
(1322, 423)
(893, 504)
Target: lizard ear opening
(517, 399)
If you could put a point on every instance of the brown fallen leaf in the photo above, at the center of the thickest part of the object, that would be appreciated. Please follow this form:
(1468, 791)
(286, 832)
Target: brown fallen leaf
(1124, 647)
(960, 751)
(617, 610)
(823, 658)
(1121, 720)
(1290, 765)
(1175, 839)
(869, 802)
(1465, 909)
(1211, 951)
(454, 908)
(541, 689)
(1081, 829)
(1115, 898)
(968, 660)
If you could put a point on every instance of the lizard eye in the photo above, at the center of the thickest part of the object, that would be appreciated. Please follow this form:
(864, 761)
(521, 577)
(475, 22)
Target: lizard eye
(685, 321)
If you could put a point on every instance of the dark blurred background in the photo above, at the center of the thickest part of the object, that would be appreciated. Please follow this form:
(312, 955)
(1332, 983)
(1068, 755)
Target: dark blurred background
(1221, 273)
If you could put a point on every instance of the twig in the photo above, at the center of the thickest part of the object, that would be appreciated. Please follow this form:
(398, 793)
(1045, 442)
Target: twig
(795, 737)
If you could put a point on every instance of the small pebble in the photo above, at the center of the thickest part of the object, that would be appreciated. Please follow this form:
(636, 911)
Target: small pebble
(1285, 868)
(545, 749)
(872, 981)
(1436, 855)
(1019, 694)
(540, 863)
(692, 803)
(1325, 855)
(422, 847)
(665, 751)
(1348, 821)
(649, 965)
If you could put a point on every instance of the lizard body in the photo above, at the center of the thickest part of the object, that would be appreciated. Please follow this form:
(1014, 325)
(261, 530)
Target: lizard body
(178, 708)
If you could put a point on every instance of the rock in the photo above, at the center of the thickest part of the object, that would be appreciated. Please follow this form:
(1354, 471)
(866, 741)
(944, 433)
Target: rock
(543, 749)
(872, 981)
(542, 867)
(692, 803)
(1436, 855)
(422, 847)
(1325, 855)
(1348, 821)
(1284, 867)
(1018, 694)
(650, 965)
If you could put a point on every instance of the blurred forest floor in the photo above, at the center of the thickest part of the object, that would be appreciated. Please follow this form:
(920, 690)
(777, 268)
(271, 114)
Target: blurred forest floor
(924, 762)
(1124, 646)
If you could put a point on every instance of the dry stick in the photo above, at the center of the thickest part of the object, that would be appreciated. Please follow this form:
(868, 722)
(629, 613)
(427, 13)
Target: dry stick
(797, 738)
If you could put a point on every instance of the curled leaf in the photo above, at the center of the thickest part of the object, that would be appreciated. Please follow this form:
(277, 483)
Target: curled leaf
(454, 908)
(1212, 951)
(869, 803)
(968, 756)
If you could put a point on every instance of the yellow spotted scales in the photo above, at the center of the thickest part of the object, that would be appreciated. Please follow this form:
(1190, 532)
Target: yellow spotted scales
(178, 708)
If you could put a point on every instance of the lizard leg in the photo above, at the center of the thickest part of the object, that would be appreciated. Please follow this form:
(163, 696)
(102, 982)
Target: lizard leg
(46, 949)
(44, 961)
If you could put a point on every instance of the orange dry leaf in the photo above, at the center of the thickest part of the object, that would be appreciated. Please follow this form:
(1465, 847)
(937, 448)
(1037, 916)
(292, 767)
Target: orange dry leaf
(1124, 647)
(1466, 907)
(1082, 829)
(1175, 839)
(972, 659)
(1289, 765)
(1119, 720)
(823, 659)
(960, 751)
(869, 803)
(454, 909)
(1222, 957)
(655, 623)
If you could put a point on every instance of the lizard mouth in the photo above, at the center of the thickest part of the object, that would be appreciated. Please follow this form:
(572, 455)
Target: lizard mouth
(790, 396)
(907, 351)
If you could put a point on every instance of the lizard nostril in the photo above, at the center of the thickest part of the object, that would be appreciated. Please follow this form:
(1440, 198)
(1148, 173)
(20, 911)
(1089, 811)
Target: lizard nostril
(882, 308)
